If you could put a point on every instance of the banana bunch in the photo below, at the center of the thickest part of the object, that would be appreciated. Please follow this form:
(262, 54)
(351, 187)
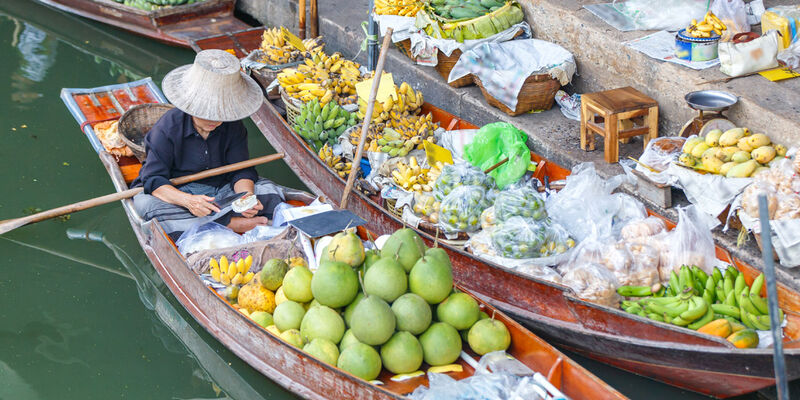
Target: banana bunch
(323, 77)
(322, 124)
(726, 295)
(278, 51)
(405, 8)
(344, 73)
(338, 164)
(405, 102)
(395, 144)
(231, 273)
(705, 28)
(411, 176)
(410, 126)
(306, 84)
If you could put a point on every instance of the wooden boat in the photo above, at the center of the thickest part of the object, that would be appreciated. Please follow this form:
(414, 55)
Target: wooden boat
(177, 25)
(274, 358)
(670, 354)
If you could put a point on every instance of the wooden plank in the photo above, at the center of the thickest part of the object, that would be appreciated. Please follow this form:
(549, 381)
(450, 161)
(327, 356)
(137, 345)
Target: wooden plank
(619, 100)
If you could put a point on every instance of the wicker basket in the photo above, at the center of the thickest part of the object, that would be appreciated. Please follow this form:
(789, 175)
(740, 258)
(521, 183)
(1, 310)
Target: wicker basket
(445, 64)
(390, 205)
(537, 93)
(405, 48)
(292, 107)
(137, 121)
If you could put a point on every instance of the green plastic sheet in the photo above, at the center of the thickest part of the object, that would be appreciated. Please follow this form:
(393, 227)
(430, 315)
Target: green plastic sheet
(493, 143)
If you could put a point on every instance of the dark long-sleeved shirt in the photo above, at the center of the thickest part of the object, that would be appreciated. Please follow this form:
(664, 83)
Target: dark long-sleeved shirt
(175, 148)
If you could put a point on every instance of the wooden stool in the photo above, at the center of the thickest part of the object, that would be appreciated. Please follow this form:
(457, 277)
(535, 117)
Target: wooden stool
(603, 112)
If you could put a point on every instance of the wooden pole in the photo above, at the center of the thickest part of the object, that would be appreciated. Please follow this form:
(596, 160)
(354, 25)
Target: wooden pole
(494, 167)
(301, 12)
(376, 81)
(11, 224)
(313, 20)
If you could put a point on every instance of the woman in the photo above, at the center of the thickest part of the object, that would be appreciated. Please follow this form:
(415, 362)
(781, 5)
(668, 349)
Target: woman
(204, 131)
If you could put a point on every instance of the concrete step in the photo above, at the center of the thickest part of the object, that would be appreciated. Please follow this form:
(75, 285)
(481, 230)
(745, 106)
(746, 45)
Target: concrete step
(549, 133)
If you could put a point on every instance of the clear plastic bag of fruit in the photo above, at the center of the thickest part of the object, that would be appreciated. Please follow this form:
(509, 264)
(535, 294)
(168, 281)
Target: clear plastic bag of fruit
(207, 236)
(649, 226)
(426, 206)
(644, 271)
(518, 237)
(588, 276)
(461, 209)
(540, 272)
(691, 242)
(455, 175)
(519, 200)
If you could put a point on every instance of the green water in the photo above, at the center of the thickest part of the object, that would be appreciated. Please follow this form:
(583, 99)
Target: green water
(74, 324)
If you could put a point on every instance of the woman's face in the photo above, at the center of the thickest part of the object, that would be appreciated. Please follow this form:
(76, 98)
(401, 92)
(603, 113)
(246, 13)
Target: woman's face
(205, 125)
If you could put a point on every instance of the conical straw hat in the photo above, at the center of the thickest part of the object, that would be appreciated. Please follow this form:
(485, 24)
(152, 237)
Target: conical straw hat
(213, 88)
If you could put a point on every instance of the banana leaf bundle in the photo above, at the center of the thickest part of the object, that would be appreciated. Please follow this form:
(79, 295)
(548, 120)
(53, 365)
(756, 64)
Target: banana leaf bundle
(468, 19)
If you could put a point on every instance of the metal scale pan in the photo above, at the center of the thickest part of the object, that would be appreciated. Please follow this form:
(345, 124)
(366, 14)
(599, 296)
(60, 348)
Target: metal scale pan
(710, 105)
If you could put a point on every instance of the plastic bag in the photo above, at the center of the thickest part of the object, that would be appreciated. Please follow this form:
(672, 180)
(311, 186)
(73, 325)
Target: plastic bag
(691, 242)
(585, 205)
(791, 55)
(541, 272)
(642, 228)
(732, 13)
(207, 236)
(455, 175)
(587, 275)
(520, 238)
(461, 209)
(489, 219)
(492, 144)
(661, 152)
(425, 205)
(519, 200)
(660, 15)
(628, 209)
(645, 268)
(261, 232)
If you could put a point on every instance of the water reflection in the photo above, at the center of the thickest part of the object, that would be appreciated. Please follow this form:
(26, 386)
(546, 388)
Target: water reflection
(37, 53)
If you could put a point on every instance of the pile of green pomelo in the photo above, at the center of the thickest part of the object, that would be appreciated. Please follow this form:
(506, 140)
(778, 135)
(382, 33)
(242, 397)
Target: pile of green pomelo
(393, 308)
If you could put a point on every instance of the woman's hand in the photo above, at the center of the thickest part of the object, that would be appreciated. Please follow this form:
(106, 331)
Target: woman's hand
(199, 205)
(253, 211)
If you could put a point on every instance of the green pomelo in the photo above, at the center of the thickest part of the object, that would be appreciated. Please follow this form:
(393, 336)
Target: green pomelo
(386, 279)
(271, 276)
(324, 256)
(323, 349)
(347, 248)
(370, 258)
(348, 311)
(402, 353)
(262, 318)
(293, 337)
(431, 278)
(288, 315)
(459, 310)
(372, 321)
(297, 284)
(439, 253)
(347, 340)
(405, 246)
(441, 344)
(412, 313)
(360, 360)
(483, 315)
(335, 284)
(488, 335)
(322, 322)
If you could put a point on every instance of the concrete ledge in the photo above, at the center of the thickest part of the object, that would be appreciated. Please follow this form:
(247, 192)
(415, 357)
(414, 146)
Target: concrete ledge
(550, 133)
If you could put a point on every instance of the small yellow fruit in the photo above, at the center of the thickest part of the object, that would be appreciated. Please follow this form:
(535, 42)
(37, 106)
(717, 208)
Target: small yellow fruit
(248, 262)
(237, 279)
(240, 267)
(764, 154)
(215, 274)
(223, 264)
(248, 277)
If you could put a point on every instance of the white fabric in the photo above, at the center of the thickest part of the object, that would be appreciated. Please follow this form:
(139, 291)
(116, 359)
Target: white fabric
(785, 237)
(753, 56)
(503, 67)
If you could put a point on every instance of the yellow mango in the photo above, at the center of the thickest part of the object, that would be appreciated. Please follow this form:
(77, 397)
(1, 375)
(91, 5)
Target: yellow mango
(729, 151)
(712, 164)
(780, 149)
(744, 145)
(711, 152)
(723, 170)
(731, 137)
(742, 170)
(699, 149)
(690, 143)
(758, 140)
(712, 137)
(764, 154)
(740, 156)
(687, 159)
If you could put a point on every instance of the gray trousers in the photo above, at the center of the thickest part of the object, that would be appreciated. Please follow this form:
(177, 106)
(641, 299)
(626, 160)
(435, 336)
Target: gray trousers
(176, 219)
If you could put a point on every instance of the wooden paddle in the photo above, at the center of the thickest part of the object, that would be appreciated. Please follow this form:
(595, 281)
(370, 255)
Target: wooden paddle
(376, 81)
(11, 224)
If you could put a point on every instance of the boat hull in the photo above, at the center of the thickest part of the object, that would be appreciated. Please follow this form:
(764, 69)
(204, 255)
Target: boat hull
(666, 353)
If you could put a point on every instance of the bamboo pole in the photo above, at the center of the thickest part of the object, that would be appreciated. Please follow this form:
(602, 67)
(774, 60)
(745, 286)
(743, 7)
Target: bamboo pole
(301, 12)
(313, 20)
(376, 81)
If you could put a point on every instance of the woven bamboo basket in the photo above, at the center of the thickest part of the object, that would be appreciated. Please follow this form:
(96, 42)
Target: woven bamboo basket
(390, 205)
(292, 107)
(136, 122)
(405, 48)
(537, 93)
(445, 64)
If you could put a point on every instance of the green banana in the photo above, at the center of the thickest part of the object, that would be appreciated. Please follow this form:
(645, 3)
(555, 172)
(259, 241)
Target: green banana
(739, 284)
(689, 279)
(708, 317)
(682, 278)
(680, 321)
(699, 274)
(671, 311)
(655, 317)
(725, 309)
(633, 309)
(760, 303)
(674, 284)
(744, 302)
(731, 299)
(727, 284)
(758, 283)
(757, 323)
(697, 308)
(709, 293)
(720, 292)
(717, 275)
(634, 291)
(660, 300)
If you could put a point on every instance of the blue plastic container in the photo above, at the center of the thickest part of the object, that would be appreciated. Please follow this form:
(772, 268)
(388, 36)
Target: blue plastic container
(696, 49)
(365, 166)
